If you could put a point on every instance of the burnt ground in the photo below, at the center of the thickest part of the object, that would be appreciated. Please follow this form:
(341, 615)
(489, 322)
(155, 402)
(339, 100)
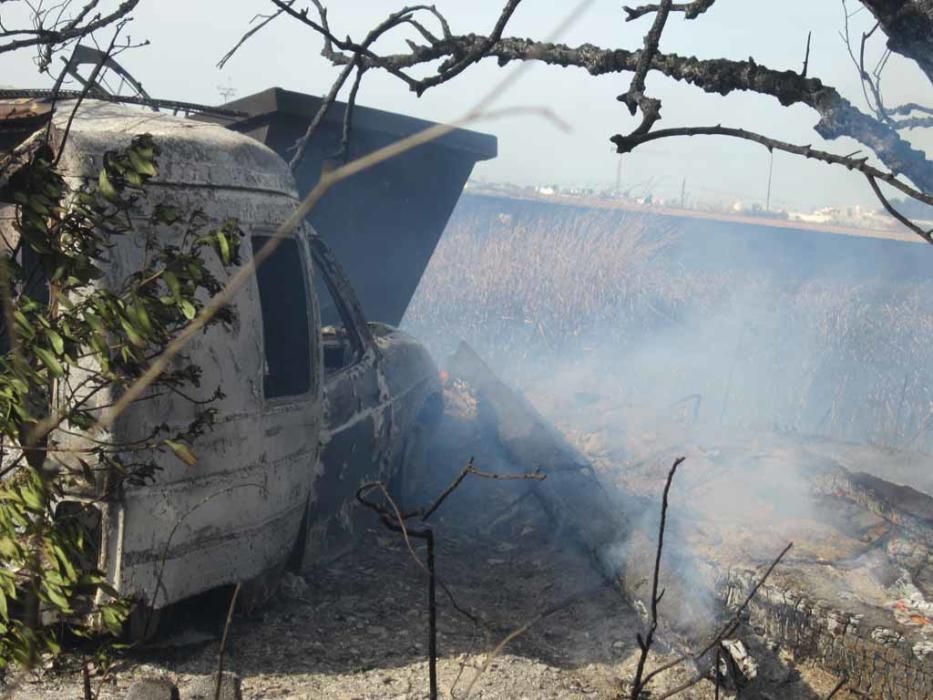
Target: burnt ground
(356, 626)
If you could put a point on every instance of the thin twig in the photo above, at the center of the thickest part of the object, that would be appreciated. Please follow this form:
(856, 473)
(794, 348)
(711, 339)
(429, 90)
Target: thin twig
(645, 643)
(88, 86)
(925, 235)
(470, 469)
(344, 153)
(728, 628)
(806, 56)
(625, 144)
(223, 642)
(266, 19)
(301, 144)
(86, 680)
(839, 686)
(519, 631)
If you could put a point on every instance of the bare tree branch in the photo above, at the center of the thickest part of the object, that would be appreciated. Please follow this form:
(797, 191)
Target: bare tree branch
(925, 235)
(691, 10)
(264, 20)
(838, 116)
(451, 70)
(806, 56)
(62, 31)
(908, 25)
(344, 152)
(636, 98)
(910, 107)
(393, 20)
(625, 144)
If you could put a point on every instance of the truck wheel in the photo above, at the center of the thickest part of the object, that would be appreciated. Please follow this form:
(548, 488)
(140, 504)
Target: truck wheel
(412, 478)
(142, 624)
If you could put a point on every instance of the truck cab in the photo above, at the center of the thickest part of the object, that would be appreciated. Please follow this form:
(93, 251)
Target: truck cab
(309, 411)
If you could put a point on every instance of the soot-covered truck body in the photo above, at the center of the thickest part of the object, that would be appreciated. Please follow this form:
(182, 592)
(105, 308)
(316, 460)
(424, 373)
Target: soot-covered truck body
(308, 411)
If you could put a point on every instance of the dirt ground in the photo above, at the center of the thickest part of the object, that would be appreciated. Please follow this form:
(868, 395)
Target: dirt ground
(356, 627)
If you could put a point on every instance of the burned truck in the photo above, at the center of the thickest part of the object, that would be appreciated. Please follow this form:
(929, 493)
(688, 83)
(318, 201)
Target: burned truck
(310, 409)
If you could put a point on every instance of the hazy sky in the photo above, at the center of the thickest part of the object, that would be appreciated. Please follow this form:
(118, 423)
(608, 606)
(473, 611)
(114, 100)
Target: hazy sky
(188, 37)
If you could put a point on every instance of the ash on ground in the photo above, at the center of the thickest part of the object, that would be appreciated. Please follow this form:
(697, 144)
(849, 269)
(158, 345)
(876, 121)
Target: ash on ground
(357, 626)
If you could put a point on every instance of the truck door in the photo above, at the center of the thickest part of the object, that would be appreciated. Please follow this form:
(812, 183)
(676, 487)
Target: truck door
(357, 418)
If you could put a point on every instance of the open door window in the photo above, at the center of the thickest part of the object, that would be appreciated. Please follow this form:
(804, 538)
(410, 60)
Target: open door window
(286, 320)
(345, 335)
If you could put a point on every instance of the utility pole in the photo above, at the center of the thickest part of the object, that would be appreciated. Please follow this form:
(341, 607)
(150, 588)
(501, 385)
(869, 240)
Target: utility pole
(619, 176)
(226, 91)
(770, 173)
(683, 194)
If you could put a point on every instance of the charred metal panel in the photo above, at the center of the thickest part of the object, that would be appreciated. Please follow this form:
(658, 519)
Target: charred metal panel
(237, 512)
(370, 408)
(572, 492)
(384, 223)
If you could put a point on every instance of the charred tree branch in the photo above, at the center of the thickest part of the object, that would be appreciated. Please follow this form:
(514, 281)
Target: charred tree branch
(910, 107)
(806, 56)
(838, 116)
(452, 69)
(691, 10)
(908, 25)
(636, 98)
(625, 144)
(344, 152)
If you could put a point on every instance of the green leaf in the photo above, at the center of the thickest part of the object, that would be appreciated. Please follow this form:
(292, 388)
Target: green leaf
(131, 333)
(183, 452)
(173, 284)
(31, 498)
(224, 245)
(105, 186)
(141, 316)
(58, 345)
(187, 308)
(140, 164)
(50, 361)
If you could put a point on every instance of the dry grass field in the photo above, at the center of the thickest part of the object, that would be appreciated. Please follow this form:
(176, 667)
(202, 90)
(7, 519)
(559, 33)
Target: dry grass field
(594, 300)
